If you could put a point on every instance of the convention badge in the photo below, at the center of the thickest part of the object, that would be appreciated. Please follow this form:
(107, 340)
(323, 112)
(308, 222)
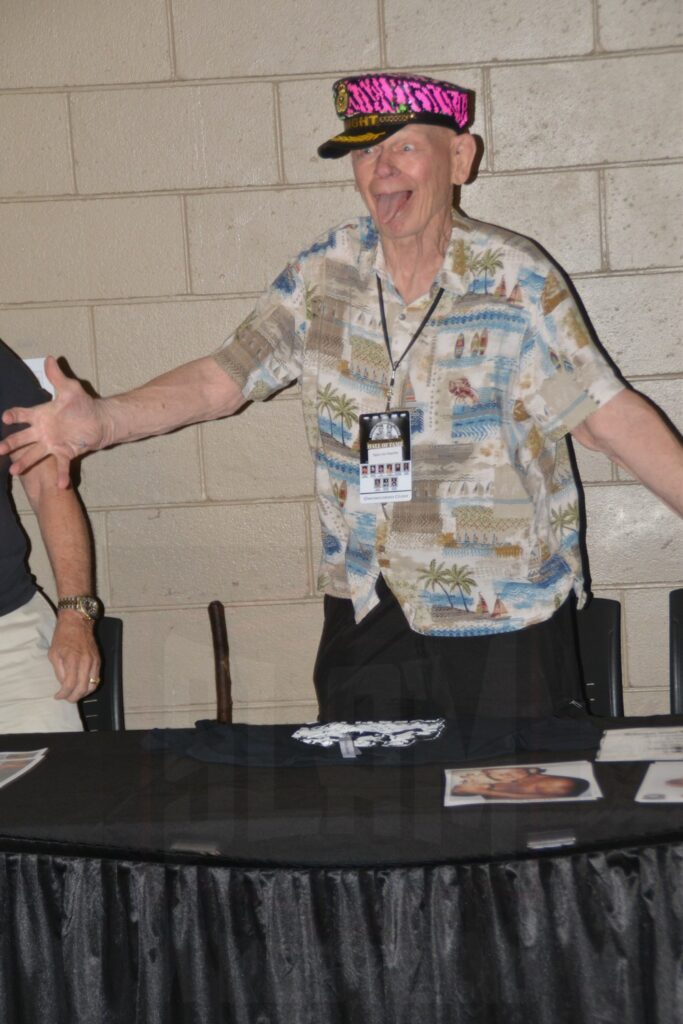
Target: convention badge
(385, 465)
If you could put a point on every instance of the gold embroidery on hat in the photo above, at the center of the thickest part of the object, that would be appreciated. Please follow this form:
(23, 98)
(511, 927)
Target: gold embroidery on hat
(367, 137)
(364, 120)
(341, 98)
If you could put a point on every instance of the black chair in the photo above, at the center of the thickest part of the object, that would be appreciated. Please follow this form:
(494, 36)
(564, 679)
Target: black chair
(676, 650)
(599, 635)
(103, 711)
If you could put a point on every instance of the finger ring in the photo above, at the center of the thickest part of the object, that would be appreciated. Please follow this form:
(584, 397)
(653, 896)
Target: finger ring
(94, 682)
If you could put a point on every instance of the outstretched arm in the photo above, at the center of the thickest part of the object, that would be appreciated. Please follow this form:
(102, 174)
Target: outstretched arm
(73, 652)
(74, 423)
(631, 433)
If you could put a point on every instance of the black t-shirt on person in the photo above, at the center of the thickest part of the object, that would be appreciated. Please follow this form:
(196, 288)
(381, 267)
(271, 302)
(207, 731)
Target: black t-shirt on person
(18, 386)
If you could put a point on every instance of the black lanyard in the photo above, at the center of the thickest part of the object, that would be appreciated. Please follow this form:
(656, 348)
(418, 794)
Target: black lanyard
(406, 350)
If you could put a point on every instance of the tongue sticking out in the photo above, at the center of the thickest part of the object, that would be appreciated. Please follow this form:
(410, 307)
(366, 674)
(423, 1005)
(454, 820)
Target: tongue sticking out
(390, 204)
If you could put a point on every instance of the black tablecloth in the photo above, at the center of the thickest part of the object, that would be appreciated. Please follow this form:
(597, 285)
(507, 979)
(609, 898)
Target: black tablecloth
(139, 884)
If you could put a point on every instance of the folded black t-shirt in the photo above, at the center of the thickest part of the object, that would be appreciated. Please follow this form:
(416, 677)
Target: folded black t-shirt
(458, 741)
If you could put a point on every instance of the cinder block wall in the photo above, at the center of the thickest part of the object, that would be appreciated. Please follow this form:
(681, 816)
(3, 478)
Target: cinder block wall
(157, 167)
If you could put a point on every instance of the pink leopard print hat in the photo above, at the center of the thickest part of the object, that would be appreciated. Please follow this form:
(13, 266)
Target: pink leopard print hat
(375, 106)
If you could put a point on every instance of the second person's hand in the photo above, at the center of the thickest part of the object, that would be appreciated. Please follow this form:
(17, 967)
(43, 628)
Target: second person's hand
(69, 426)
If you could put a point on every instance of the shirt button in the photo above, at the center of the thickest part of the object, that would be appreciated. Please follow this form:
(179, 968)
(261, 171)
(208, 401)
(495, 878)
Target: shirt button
(401, 316)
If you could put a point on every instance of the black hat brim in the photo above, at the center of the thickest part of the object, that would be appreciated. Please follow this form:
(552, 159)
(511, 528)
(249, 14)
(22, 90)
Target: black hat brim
(340, 145)
(360, 138)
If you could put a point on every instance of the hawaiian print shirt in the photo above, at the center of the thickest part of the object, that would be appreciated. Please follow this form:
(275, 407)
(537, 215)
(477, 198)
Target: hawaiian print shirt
(503, 369)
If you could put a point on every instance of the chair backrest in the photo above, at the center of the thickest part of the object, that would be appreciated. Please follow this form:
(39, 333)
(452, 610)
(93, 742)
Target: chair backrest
(103, 711)
(676, 650)
(221, 657)
(599, 635)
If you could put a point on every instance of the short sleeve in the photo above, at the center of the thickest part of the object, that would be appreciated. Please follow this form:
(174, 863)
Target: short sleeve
(19, 386)
(265, 353)
(564, 376)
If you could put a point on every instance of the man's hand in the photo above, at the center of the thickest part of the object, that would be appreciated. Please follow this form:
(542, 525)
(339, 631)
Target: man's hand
(70, 425)
(74, 656)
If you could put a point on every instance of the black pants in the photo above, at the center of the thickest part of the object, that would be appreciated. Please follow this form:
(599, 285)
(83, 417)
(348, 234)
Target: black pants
(381, 669)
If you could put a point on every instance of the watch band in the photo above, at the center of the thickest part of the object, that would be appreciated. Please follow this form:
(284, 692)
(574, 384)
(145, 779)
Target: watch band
(85, 604)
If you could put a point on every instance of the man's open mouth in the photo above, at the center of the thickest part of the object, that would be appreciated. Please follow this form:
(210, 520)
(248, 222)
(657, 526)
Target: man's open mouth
(390, 204)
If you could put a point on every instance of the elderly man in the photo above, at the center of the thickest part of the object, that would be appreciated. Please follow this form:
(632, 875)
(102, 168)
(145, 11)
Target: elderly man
(442, 363)
(45, 666)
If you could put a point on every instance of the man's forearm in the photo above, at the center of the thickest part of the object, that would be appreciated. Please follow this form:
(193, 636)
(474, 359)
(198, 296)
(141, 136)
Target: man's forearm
(63, 529)
(630, 432)
(193, 393)
(75, 423)
(73, 652)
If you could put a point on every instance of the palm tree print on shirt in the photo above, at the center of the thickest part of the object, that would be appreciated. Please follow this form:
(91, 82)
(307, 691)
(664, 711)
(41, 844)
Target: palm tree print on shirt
(439, 576)
(460, 576)
(487, 264)
(565, 518)
(326, 399)
(339, 407)
(345, 410)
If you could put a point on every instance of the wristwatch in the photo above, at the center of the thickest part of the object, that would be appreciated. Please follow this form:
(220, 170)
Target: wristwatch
(89, 607)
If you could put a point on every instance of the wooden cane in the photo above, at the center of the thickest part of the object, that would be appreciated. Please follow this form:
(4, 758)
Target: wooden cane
(221, 654)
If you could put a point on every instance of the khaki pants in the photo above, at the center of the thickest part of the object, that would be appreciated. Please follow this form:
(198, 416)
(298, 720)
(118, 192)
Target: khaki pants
(27, 680)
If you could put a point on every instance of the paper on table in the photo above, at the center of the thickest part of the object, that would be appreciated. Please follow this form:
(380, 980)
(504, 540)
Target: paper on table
(663, 782)
(14, 763)
(643, 744)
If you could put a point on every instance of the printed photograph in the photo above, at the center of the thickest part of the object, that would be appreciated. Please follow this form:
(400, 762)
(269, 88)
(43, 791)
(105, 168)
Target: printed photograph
(15, 763)
(663, 783)
(537, 783)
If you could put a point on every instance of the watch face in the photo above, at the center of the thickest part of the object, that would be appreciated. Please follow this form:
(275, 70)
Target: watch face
(91, 606)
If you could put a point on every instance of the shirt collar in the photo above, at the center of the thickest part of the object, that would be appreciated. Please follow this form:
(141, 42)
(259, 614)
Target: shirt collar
(373, 263)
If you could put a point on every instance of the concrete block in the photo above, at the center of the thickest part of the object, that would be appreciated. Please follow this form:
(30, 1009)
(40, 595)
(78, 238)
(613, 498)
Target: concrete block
(448, 30)
(309, 103)
(308, 118)
(192, 137)
(168, 662)
(637, 319)
(93, 249)
(285, 713)
(255, 37)
(79, 42)
(34, 141)
(168, 557)
(558, 210)
(260, 453)
(639, 703)
(594, 467)
(61, 331)
(632, 24)
(157, 471)
(632, 537)
(272, 652)
(667, 395)
(587, 112)
(139, 341)
(644, 206)
(241, 241)
(646, 626)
